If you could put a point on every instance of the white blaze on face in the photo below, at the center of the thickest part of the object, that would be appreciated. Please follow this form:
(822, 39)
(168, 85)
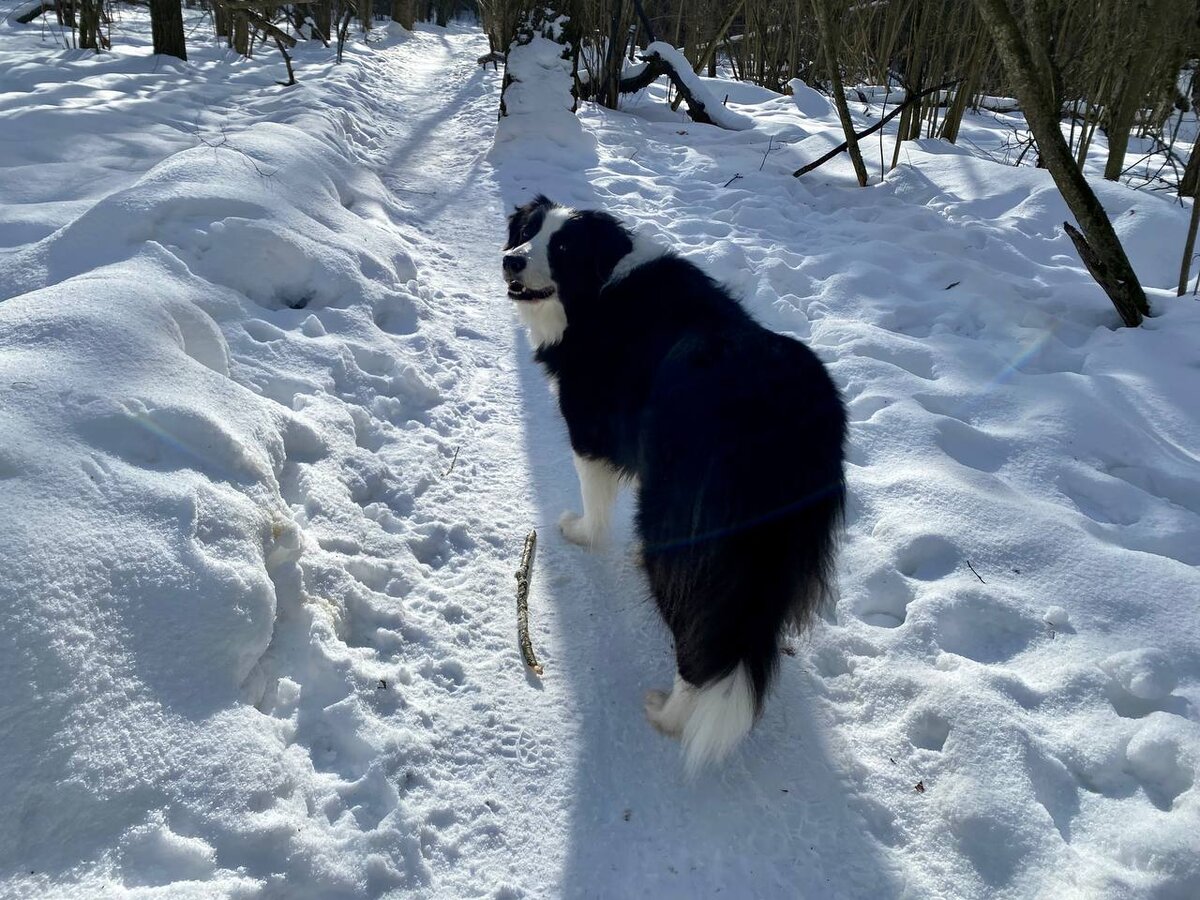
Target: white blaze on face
(536, 251)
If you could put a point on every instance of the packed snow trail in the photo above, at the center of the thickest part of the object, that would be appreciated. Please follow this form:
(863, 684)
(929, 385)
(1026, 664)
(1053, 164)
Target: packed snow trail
(594, 801)
(279, 440)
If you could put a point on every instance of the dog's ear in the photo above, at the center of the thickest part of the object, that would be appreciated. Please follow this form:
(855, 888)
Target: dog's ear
(516, 224)
(533, 211)
(610, 244)
(515, 221)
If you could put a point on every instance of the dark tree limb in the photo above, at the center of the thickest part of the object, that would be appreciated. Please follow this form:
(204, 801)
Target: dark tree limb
(841, 148)
(30, 14)
(287, 61)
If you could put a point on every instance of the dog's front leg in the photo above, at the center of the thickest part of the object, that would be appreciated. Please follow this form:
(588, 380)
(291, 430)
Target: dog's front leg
(598, 483)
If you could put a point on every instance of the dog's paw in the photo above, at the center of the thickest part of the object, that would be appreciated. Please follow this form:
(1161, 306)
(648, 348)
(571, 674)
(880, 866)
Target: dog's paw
(655, 704)
(578, 530)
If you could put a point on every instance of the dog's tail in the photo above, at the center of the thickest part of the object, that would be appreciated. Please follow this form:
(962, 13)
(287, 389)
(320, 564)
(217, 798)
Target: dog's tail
(723, 714)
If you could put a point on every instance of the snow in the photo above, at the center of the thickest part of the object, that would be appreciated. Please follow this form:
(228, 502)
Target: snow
(271, 440)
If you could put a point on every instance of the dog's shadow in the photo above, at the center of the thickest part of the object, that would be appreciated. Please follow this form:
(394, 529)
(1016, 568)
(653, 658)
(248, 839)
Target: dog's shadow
(778, 819)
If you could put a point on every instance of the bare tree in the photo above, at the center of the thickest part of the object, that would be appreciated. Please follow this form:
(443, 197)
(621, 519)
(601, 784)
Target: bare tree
(1097, 244)
(830, 42)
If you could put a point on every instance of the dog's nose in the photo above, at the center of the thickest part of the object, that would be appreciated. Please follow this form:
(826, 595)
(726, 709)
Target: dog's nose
(513, 264)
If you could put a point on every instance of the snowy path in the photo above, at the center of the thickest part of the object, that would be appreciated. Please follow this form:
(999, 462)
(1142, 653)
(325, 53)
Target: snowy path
(562, 784)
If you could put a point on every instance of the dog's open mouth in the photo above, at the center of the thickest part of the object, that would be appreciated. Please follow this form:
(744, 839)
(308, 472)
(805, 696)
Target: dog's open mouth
(518, 291)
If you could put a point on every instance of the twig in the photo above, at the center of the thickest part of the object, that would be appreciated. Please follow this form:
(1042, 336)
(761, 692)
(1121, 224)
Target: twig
(524, 575)
(840, 148)
(977, 575)
(732, 180)
(452, 462)
(770, 141)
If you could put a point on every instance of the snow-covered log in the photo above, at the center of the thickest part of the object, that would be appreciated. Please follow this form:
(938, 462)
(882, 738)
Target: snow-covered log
(702, 105)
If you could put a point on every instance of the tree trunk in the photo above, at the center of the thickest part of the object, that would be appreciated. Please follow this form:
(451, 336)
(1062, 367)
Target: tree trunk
(221, 20)
(89, 25)
(402, 12)
(821, 9)
(1189, 247)
(240, 33)
(166, 25)
(322, 14)
(1134, 78)
(1098, 245)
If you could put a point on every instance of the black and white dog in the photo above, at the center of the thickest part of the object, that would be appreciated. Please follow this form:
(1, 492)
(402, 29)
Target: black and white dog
(731, 433)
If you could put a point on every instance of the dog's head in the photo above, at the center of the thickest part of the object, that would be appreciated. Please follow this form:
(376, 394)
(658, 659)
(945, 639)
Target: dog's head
(554, 252)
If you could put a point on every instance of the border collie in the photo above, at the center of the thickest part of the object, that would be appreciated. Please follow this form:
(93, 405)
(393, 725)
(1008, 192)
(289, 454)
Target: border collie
(733, 436)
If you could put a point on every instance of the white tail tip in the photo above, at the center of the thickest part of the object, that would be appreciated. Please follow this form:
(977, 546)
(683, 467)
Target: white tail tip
(722, 716)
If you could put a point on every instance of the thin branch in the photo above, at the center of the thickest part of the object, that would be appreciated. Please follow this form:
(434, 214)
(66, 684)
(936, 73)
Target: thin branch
(841, 148)
(524, 576)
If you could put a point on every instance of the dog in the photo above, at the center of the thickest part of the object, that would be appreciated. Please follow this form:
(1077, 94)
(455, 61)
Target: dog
(733, 436)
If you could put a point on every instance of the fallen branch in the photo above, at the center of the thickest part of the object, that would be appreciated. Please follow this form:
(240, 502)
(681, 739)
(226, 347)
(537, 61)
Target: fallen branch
(287, 61)
(524, 575)
(263, 24)
(859, 135)
(653, 67)
(24, 17)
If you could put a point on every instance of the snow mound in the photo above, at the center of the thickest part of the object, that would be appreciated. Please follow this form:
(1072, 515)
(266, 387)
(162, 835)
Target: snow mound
(811, 102)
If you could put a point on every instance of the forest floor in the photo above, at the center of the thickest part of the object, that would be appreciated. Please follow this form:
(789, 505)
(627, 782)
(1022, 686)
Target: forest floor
(271, 440)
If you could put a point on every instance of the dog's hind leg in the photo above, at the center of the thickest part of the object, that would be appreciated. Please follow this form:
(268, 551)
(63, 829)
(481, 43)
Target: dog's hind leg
(598, 483)
(670, 712)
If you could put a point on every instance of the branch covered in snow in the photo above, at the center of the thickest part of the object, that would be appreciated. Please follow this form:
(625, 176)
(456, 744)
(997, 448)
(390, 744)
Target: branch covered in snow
(663, 59)
(27, 12)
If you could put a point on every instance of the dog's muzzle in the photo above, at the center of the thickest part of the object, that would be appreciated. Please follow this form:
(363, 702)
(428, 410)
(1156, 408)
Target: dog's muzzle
(513, 266)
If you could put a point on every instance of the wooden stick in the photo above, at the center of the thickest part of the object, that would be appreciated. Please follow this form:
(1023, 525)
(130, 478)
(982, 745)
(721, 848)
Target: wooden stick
(524, 576)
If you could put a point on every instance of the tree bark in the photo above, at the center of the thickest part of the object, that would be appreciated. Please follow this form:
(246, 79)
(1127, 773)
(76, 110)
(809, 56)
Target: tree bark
(1134, 76)
(821, 8)
(166, 26)
(402, 12)
(89, 25)
(1189, 247)
(1098, 244)
(322, 14)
